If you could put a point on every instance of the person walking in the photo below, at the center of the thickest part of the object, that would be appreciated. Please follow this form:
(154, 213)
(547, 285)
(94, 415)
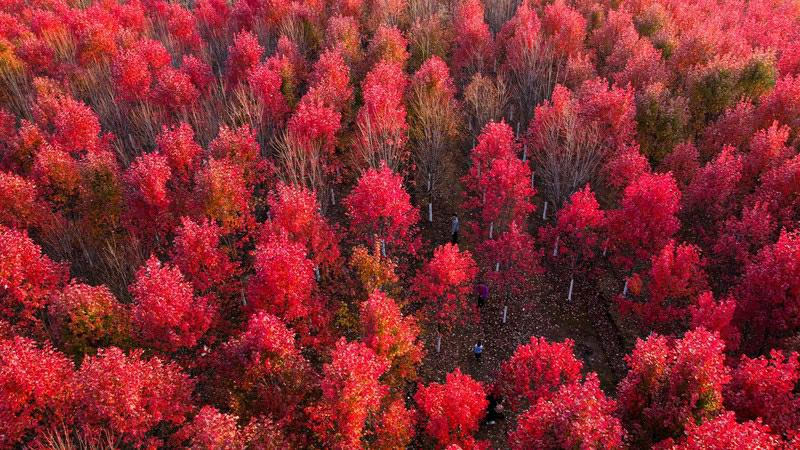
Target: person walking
(478, 350)
(454, 226)
(482, 292)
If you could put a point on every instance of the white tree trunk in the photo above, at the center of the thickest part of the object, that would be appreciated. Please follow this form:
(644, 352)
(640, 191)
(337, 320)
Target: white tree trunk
(571, 284)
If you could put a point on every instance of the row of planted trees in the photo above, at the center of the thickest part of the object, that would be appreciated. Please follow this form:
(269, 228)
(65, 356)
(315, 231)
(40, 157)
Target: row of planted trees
(210, 219)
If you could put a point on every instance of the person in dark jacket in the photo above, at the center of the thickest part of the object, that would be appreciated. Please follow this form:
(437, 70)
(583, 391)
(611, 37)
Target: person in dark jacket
(454, 226)
(496, 410)
(482, 293)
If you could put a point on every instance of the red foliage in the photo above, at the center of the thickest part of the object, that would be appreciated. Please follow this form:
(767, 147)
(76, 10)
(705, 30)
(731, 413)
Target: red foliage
(670, 384)
(610, 109)
(147, 178)
(444, 285)
(84, 318)
(767, 150)
(211, 429)
(505, 194)
(741, 238)
(182, 152)
(452, 411)
(27, 277)
(351, 394)
(266, 84)
(770, 292)
(498, 186)
(520, 40)
(295, 210)
(284, 278)
(683, 161)
(129, 396)
(717, 317)
(474, 47)
(380, 208)
(198, 71)
(496, 141)
(577, 416)
(57, 176)
(243, 56)
(572, 135)
(780, 190)
(511, 260)
(166, 313)
(565, 28)
(70, 123)
(781, 103)
(536, 371)
(175, 91)
(239, 146)
(646, 219)
(711, 195)
(625, 167)
(675, 279)
(329, 82)
(313, 128)
(261, 371)
(19, 206)
(579, 230)
(148, 195)
(433, 77)
(343, 35)
(35, 388)
(388, 45)
(198, 254)
(381, 122)
(391, 335)
(723, 432)
(396, 426)
(223, 194)
(135, 69)
(764, 388)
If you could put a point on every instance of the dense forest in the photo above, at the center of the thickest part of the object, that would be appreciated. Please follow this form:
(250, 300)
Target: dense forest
(386, 224)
